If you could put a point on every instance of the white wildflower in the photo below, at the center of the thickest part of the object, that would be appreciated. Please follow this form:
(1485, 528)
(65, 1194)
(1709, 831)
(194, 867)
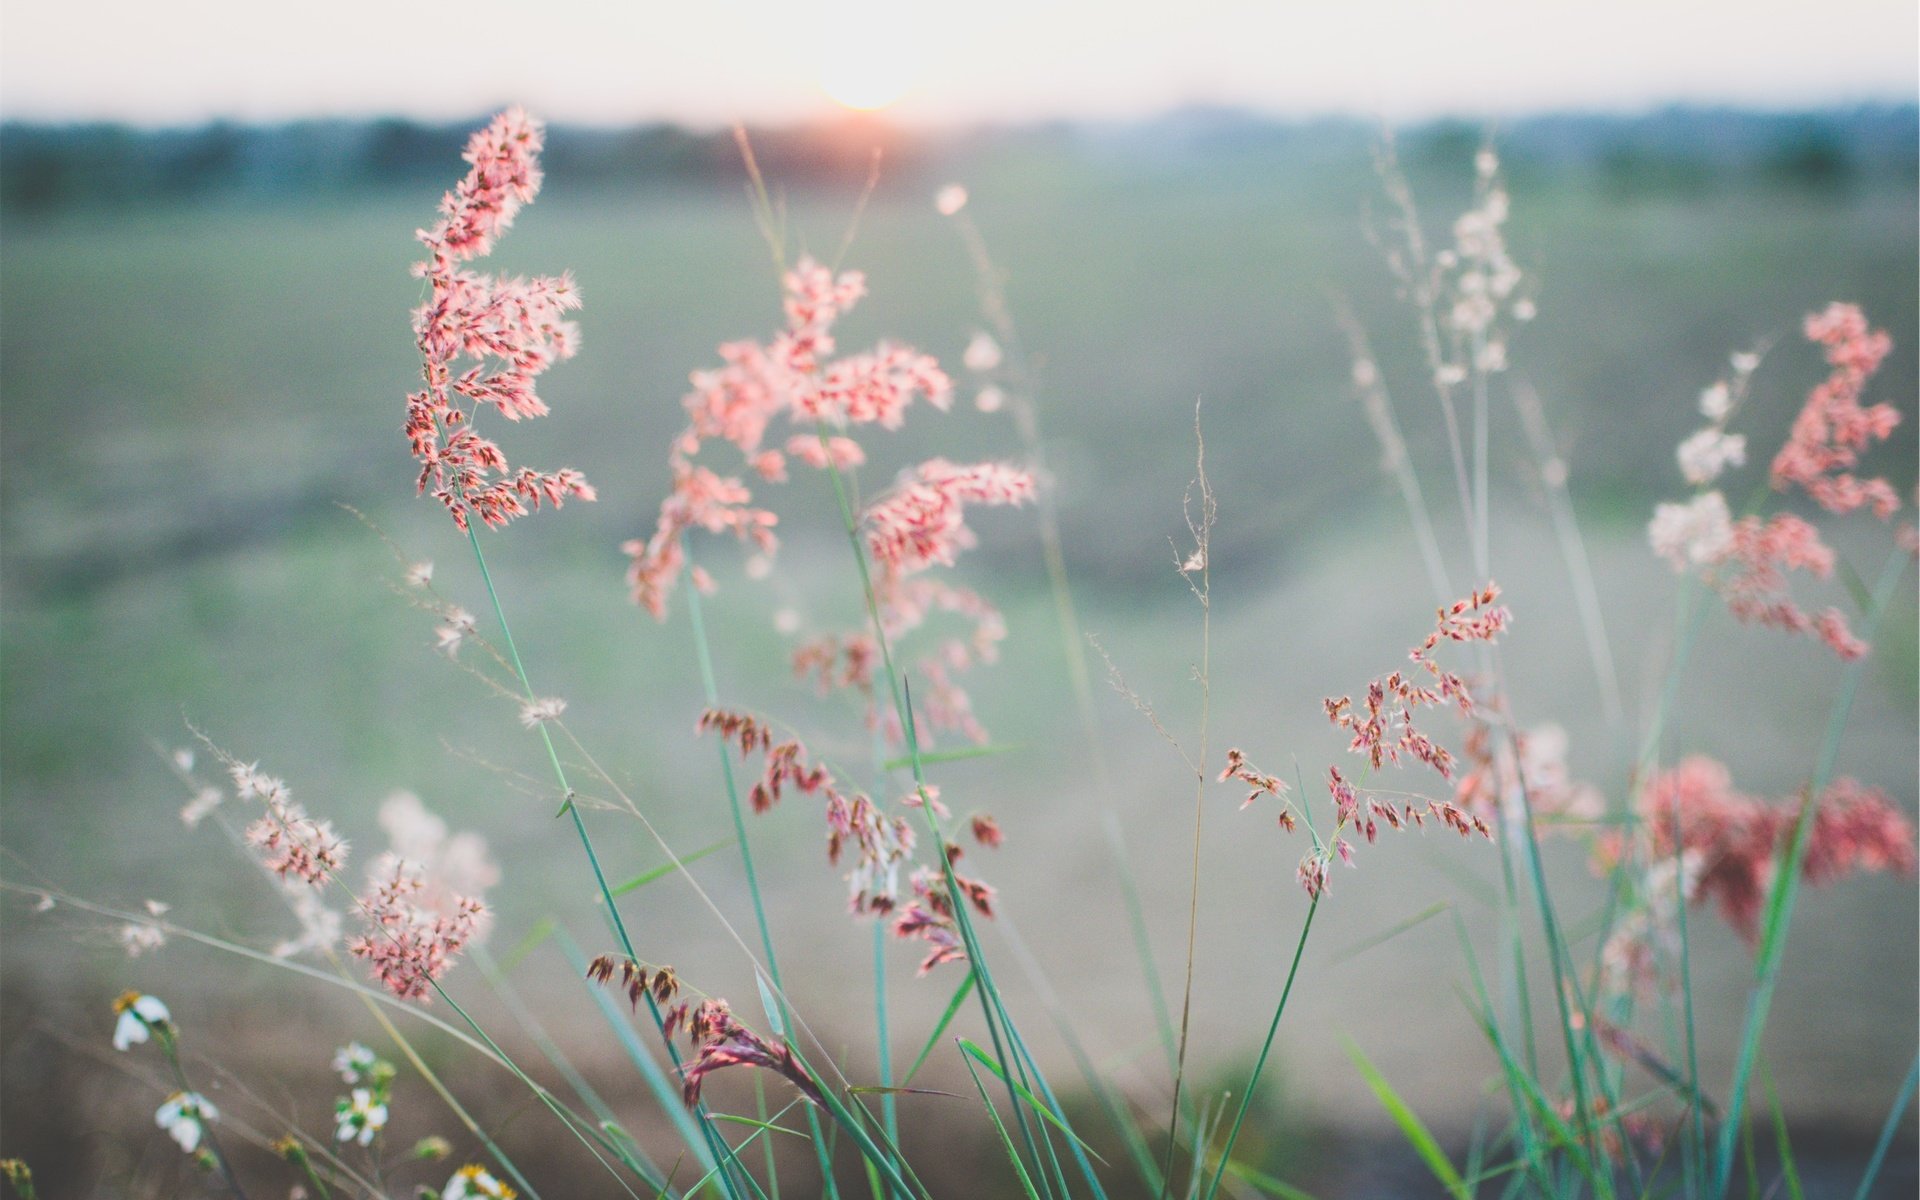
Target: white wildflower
(982, 353)
(183, 759)
(354, 1062)
(138, 1014)
(1697, 532)
(538, 712)
(1709, 452)
(359, 1117)
(452, 631)
(185, 1116)
(1491, 357)
(1745, 362)
(419, 574)
(474, 1183)
(1716, 403)
(251, 783)
(138, 937)
(319, 925)
(1524, 310)
(990, 399)
(759, 566)
(450, 867)
(204, 802)
(950, 199)
(786, 621)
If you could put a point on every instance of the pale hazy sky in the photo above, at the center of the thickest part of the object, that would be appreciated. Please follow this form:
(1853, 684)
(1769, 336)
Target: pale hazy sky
(709, 61)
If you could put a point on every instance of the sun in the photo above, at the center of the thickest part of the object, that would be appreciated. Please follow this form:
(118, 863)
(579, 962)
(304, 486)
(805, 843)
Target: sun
(865, 86)
(871, 54)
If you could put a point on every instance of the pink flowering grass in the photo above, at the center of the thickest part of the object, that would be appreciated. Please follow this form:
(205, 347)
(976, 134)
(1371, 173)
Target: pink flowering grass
(510, 329)
(1750, 560)
(1599, 1082)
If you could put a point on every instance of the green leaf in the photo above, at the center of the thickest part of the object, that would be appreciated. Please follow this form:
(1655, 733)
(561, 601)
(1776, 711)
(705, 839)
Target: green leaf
(646, 877)
(1391, 932)
(766, 1125)
(774, 1022)
(1410, 1125)
(1033, 1102)
(1025, 1180)
(542, 930)
(946, 1019)
(1266, 1183)
(1780, 1138)
(875, 1090)
(941, 756)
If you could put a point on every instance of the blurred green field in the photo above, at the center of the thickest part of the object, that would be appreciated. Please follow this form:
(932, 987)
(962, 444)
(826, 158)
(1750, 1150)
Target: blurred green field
(188, 395)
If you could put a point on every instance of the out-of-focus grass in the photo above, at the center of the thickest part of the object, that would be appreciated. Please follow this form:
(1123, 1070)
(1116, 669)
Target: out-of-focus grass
(188, 393)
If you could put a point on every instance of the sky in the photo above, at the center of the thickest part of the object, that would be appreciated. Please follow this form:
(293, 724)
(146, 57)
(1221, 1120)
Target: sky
(710, 62)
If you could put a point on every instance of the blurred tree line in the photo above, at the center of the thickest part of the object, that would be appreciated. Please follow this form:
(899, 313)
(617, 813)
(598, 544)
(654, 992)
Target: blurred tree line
(47, 167)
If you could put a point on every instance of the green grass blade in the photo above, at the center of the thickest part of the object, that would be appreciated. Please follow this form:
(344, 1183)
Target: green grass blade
(1411, 1127)
(1013, 1156)
(1782, 1142)
(541, 931)
(664, 1092)
(940, 1027)
(1260, 1062)
(1033, 1102)
(957, 754)
(665, 869)
(1388, 934)
(1887, 1131)
(1780, 900)
(1266, 1184)
(768, 1125)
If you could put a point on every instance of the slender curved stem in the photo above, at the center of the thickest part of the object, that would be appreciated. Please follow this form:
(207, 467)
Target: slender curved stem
(1259, 1064)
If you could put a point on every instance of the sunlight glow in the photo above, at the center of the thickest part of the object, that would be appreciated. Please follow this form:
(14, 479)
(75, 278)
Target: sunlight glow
(871, 53)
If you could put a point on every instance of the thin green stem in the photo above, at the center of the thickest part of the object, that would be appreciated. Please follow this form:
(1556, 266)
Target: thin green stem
(704, 652)
(537, 1033)
(992, 1007)
(580, 828)
(1025, 409)
(1260, 1063)
(1888, 1130)
(1786, 887)
(447, 1097)
(884, 1047)
(163, 1034)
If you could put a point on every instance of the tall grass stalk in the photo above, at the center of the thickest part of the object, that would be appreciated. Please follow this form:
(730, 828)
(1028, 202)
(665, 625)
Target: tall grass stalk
(571, 809)
(1024, 403)
(1786, 887)
(704, 652)
(1202, 531)
(1260, 1062)
(993, 1008)
(1888, 1130)
(170, 1050)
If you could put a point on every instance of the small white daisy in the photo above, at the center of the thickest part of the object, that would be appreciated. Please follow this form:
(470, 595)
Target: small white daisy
(354, 1062)
(474, 1183)
(185, 1116)
(360, 1117)
(138, 1015)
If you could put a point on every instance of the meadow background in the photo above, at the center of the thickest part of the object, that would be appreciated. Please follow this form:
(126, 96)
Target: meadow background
(203, 350)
